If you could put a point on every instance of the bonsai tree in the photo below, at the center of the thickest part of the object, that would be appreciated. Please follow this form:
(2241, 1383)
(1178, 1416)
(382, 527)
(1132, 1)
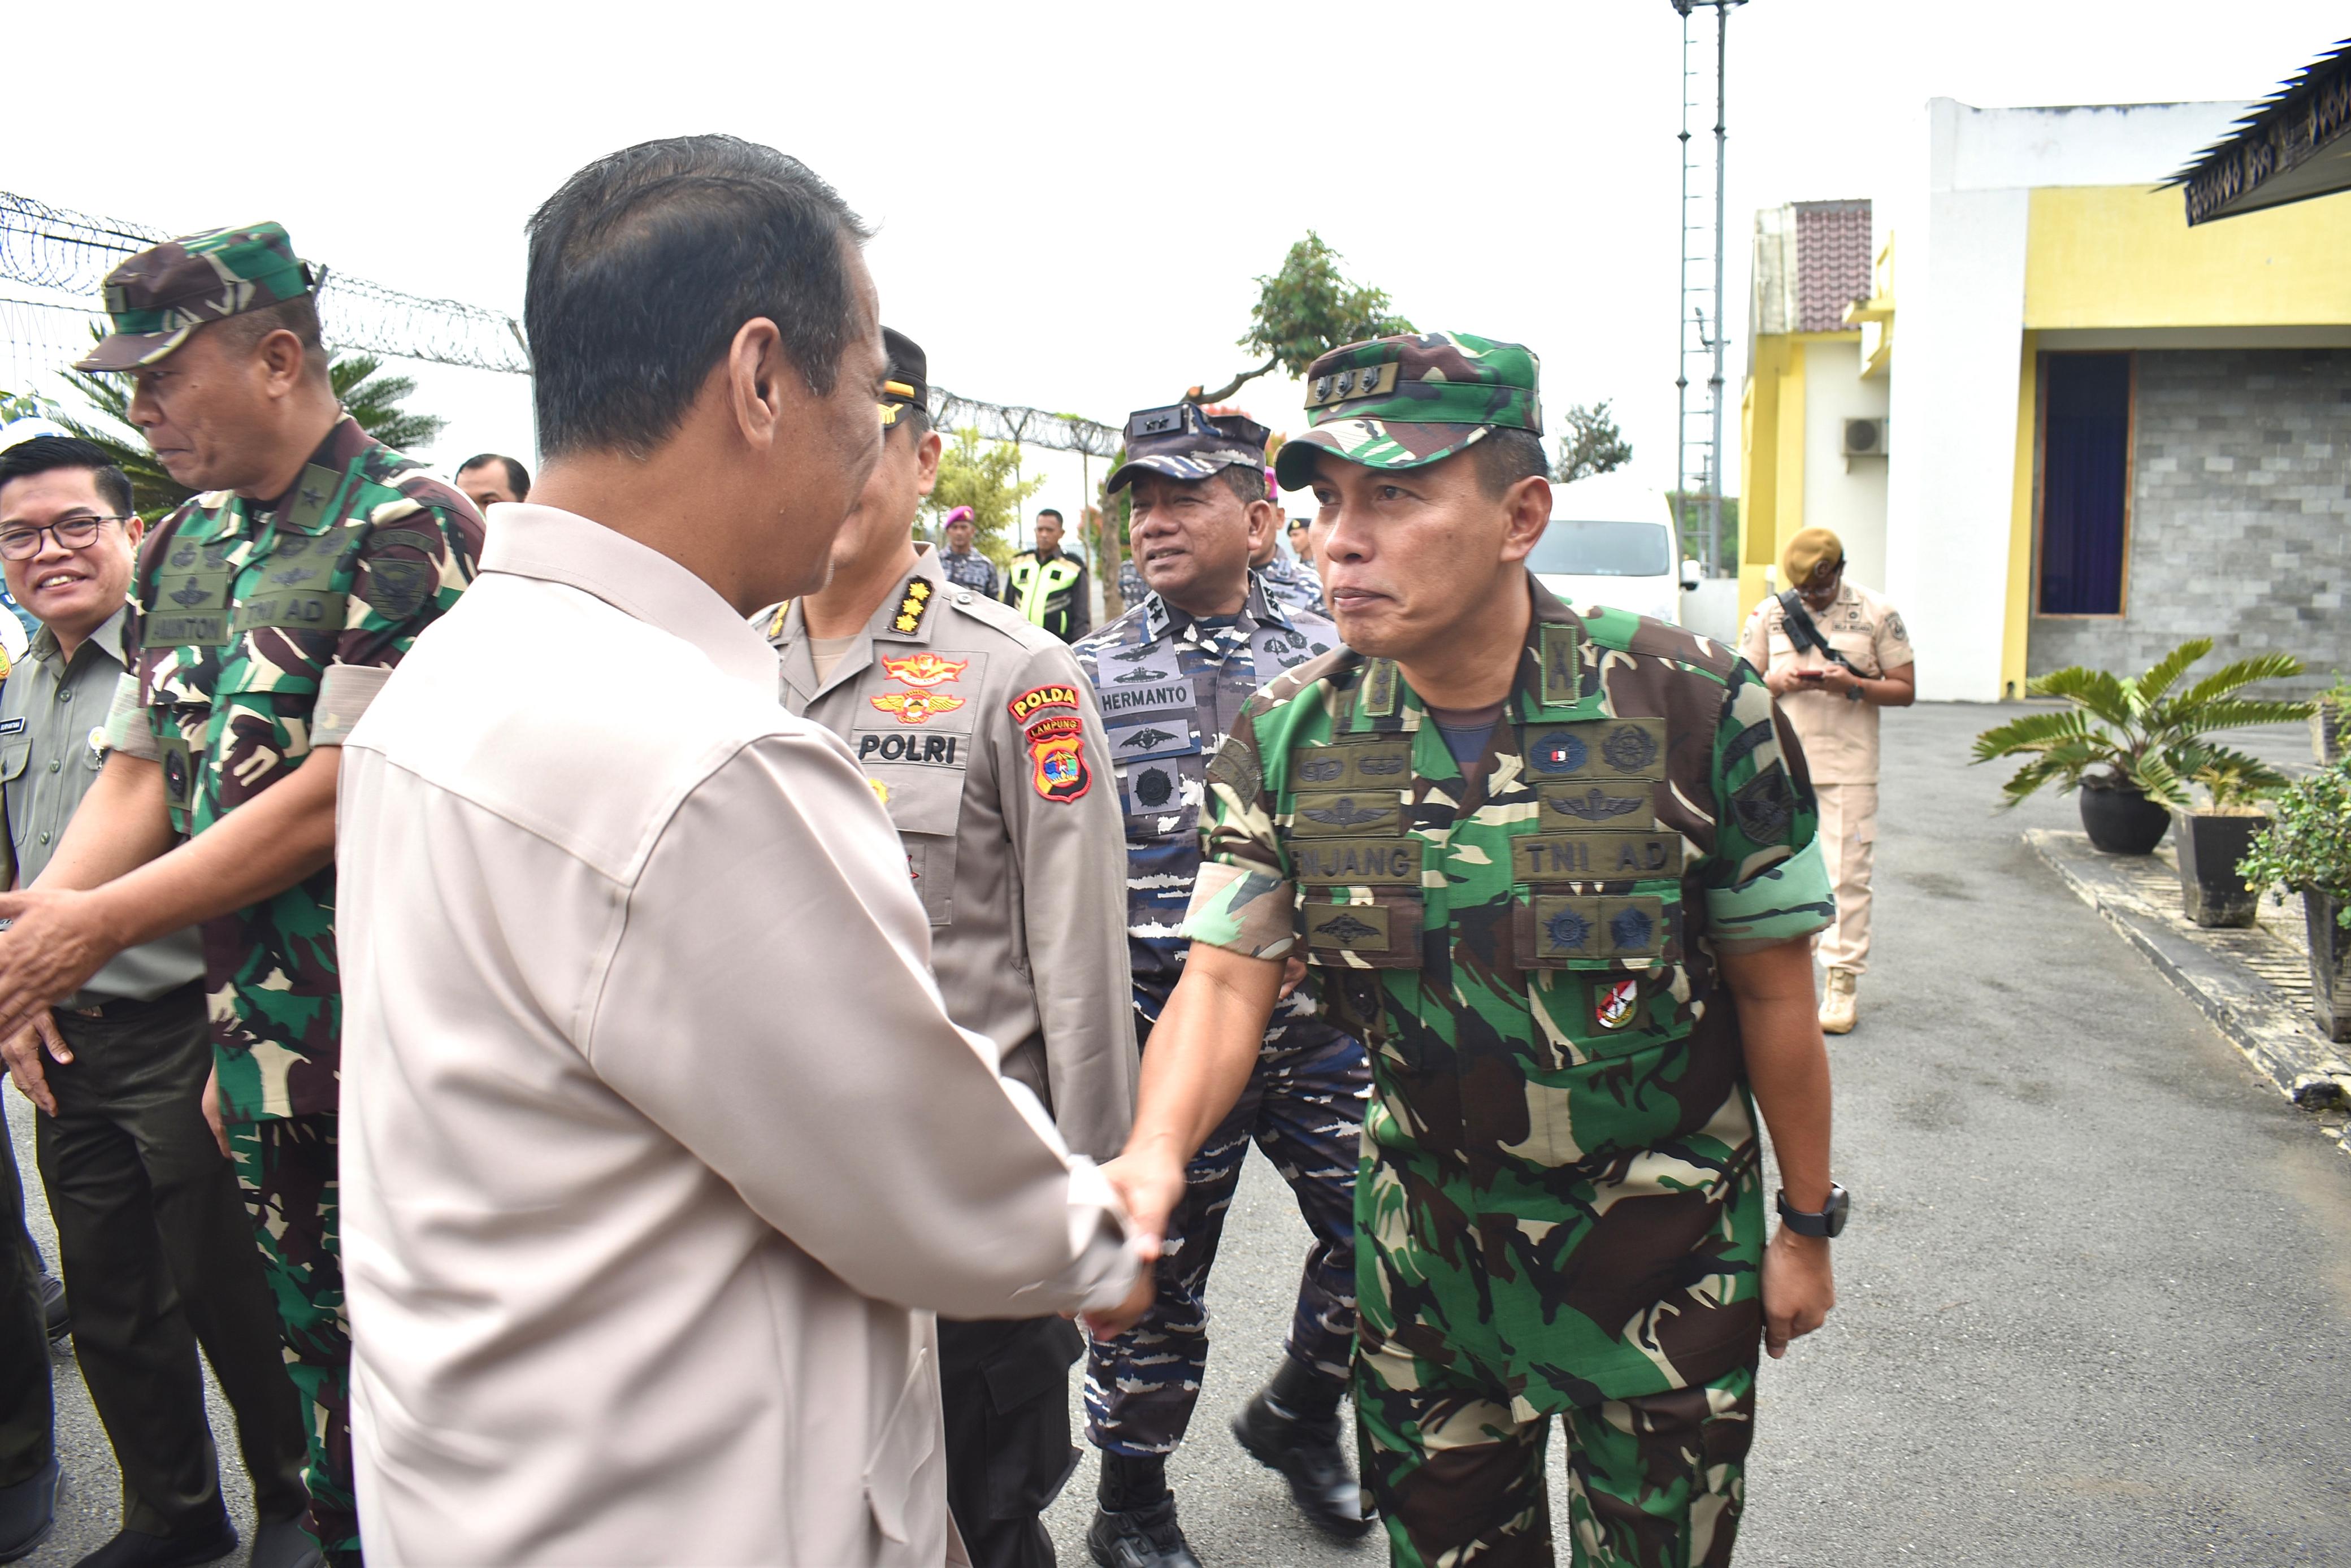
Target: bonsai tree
(2137, 732)
(2306, 847)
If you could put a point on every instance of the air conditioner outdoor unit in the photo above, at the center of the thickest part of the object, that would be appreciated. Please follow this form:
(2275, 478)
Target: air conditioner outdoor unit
(1865, 438)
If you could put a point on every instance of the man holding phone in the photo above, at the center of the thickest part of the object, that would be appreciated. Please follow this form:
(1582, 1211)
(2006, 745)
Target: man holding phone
(1834, 653)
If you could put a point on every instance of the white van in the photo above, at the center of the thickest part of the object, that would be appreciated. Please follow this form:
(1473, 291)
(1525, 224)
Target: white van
(1612, 542)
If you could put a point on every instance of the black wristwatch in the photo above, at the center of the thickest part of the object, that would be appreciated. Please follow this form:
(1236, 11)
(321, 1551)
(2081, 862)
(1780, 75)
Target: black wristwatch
(1828, 1222)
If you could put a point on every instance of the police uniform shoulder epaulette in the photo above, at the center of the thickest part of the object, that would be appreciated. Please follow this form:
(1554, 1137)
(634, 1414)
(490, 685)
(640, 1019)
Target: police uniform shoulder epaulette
(998, 616)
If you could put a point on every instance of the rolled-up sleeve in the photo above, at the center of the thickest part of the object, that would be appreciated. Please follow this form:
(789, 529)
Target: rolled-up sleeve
(127, 729)
(1765, 880)
(1242, 899)
(770, 1003)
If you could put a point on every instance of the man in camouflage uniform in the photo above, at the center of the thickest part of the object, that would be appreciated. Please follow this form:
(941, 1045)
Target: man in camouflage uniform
(977, 731)
(266, 614)
(1558, 869)
(1172, 676)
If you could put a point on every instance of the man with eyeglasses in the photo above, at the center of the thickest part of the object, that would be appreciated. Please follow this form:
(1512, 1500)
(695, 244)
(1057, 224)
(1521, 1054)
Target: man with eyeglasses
(149, 1224)
(266, 613)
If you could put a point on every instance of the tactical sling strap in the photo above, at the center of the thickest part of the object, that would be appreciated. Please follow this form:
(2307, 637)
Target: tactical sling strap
(1804, 634)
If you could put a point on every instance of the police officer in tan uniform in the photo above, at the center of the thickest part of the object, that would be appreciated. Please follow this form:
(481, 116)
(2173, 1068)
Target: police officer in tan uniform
(980, 735)
(1833, 652)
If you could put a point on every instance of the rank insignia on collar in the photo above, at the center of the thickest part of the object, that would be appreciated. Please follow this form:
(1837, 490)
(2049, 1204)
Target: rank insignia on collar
(1057, 752)
(915, 707)
(907, 619)
(923, 670)
(1615, 1003)
(1379, 688)
(1563, 663)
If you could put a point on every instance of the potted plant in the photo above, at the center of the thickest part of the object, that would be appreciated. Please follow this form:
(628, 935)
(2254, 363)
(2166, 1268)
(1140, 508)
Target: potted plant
(2131, 743)
(2308, 847)
(2329, 712)
(2213, 839)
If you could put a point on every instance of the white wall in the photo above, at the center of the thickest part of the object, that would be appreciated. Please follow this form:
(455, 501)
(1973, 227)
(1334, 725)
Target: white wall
(1848, 498)
(1959, 294)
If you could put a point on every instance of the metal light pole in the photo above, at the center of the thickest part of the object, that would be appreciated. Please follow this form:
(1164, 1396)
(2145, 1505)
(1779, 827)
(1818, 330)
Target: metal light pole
(1695, 338)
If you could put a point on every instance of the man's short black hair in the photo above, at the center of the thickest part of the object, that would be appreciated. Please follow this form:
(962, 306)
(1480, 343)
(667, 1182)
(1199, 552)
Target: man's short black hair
(1506, 457)
(47, 454)
(1244, 481)
(517, 476)
(645, 265)
(1044, 512)
(915, 422)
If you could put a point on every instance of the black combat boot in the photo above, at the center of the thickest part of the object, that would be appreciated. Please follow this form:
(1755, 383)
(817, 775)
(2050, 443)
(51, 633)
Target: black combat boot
(1292, 1426)
(1135, 1521)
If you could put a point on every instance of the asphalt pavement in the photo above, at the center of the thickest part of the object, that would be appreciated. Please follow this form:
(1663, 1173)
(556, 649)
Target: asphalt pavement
(2095, 1298)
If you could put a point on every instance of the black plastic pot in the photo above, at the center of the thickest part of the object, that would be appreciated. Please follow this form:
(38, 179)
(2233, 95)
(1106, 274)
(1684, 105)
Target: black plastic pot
(2330, 964)
(2121, 820)
(2210, 891)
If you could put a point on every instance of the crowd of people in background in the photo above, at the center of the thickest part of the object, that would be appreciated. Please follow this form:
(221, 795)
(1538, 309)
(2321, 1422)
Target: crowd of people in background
(677, 1117)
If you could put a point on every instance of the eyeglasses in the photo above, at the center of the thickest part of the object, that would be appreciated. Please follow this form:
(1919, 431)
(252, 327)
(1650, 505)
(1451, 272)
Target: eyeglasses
(74, 533)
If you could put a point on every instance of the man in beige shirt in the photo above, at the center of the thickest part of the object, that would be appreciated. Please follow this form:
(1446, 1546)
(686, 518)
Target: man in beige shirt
(1831, 702)
(660, 1148)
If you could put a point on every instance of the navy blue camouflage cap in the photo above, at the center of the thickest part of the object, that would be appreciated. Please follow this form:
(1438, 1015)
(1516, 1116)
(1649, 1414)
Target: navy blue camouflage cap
(1184, 441)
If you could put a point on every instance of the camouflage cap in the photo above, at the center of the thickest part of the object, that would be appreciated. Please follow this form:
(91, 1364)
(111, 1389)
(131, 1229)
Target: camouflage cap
(1402, 401)
(1184, 441)
(167, 292)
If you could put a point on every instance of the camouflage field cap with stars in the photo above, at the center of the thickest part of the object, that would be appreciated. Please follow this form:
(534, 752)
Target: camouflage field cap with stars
(1407, 401)
(160, 295)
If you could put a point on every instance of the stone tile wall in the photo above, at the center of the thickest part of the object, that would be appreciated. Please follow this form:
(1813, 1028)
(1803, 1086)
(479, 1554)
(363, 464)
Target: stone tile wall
(2241, 516)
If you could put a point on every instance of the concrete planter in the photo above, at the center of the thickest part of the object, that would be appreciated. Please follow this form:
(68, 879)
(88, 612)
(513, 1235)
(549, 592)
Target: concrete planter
(2327, 721)
(2330, 964)
(2210, 891)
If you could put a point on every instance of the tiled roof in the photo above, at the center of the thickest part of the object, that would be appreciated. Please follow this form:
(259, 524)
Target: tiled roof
(1832, 262)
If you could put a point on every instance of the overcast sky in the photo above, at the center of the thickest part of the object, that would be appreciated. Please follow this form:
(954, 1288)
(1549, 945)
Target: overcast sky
(1073, 200)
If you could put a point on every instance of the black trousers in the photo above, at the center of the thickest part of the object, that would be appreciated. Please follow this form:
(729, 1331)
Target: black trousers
(27, 1420)
(1005, 1388)
(155, 1238)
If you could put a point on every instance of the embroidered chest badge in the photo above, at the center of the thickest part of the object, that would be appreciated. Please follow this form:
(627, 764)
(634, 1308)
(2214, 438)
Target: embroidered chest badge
(915, 707)
(925, 670)
(1613, 1004)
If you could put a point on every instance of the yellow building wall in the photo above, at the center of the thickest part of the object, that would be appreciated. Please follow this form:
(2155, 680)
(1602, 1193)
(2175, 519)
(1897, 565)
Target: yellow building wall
(1772, 461)
(2123, 256)
(2017, 627)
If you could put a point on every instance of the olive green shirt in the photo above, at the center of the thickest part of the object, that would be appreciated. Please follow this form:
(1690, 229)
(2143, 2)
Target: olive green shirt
(52, 744)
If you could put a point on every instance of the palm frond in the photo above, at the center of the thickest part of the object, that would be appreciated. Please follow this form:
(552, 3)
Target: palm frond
(2155, 775)
(2166, 670)
(2095, 690)
(2032, 733)
(2236, 713)
(2244, 673)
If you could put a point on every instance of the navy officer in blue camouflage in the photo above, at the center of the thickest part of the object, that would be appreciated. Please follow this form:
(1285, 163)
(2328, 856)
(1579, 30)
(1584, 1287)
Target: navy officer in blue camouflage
(1170, 677)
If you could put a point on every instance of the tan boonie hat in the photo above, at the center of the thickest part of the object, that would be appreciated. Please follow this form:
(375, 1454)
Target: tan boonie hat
(167, 292)
(1811, 550)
